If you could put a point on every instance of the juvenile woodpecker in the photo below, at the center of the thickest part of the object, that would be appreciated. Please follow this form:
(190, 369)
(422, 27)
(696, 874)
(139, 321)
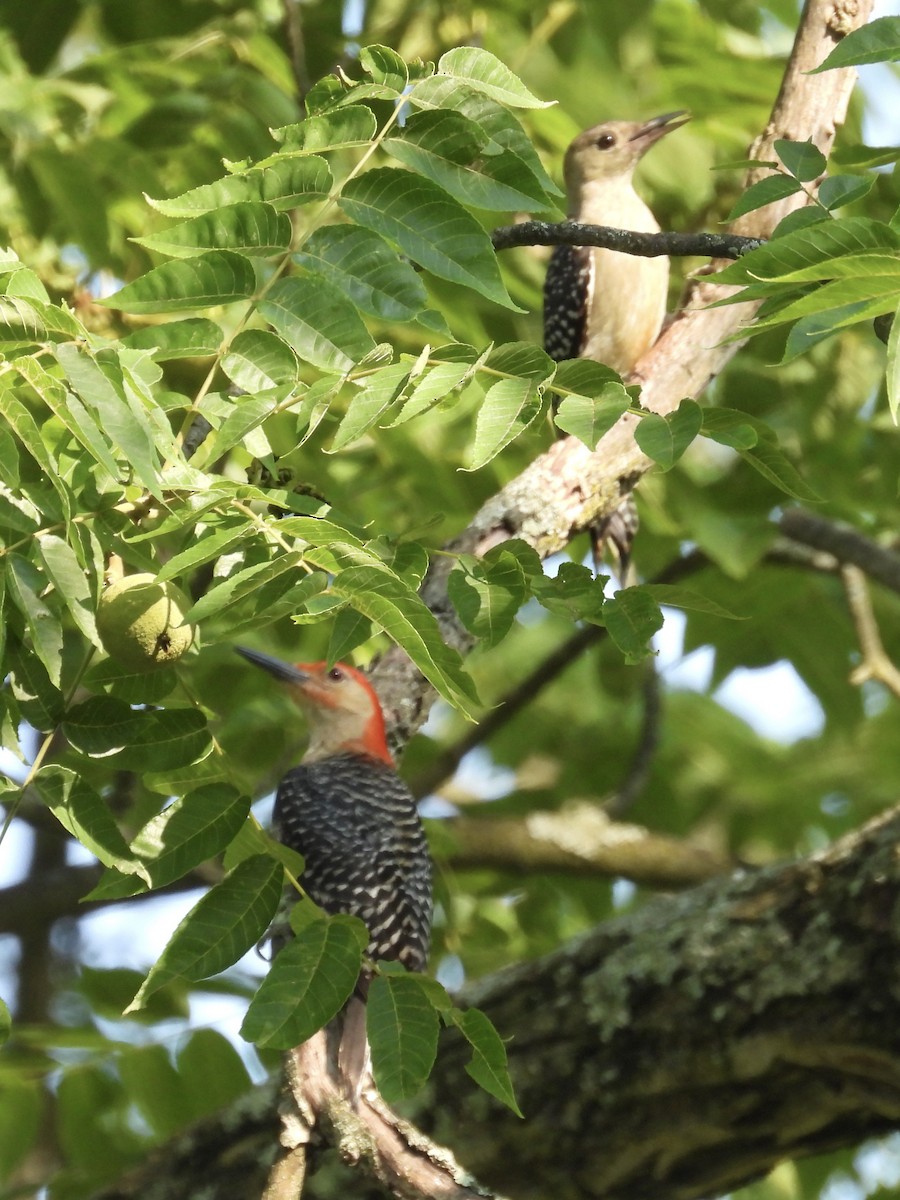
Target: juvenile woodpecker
(599, 303)
(350, 815)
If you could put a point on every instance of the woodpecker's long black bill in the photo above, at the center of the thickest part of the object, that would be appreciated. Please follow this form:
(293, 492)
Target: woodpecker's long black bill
(658, 127)
(284, 671)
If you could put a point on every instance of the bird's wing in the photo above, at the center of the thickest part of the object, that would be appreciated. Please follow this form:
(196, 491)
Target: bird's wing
(567, 291)
(365, 853)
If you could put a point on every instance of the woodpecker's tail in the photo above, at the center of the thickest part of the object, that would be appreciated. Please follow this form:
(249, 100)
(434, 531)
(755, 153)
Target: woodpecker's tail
(617, 533)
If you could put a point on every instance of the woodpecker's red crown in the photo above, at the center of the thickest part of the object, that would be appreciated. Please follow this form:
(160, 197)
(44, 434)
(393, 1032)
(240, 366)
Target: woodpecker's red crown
(340, 703)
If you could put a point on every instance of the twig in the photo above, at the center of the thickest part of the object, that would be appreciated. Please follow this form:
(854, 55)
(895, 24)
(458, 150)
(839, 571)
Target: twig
(875, 665)
(648, 245)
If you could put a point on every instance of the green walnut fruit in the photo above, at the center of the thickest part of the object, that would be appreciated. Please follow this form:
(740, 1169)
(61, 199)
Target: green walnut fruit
(141, 623)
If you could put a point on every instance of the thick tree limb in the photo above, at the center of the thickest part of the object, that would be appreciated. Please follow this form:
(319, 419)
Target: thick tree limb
(688, 1048)
(581, 839)
(674, 1053)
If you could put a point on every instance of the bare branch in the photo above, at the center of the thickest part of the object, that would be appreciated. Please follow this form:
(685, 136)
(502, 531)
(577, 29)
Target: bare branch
(845, 543)
(876, 664)
(626, 241)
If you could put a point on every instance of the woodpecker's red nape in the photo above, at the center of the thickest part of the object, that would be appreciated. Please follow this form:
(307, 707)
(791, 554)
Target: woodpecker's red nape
(342, 707)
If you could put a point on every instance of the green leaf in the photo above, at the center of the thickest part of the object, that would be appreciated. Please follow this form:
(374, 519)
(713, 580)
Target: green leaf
(765, 191)
(227, 922)
(402, 1025)
(348, 127)
(879, 41)
(770, 462)
(442, 92)
(377, 394)
(247, 412)
(62, 566)
(140, 739)
(189, 338)
(838, 190)
(367, 270)
(133, 422)
(802, 159)
(26, 584)
(386, 599)
(239, 584)
(207, 280)
(318, 321)
(813, 253)
(482, 71)
(5, 1023)
(211, 1073)
(72, 413)
(189, 831)
(248, 228)
(574, 592)
(437, 382)
(282, 182)
(892, 365)
(428, 225)
(487, 594)
(309, 982)
(22, 1112)
(385, 66)
(632, 617)
(258, 359)
(589, 417)
(676, 596)
(489, 1066)
(458, 154)
(730, 427)
(665, 439)
(508, 408)
(846, 300)
(82, 813)
(26, 430)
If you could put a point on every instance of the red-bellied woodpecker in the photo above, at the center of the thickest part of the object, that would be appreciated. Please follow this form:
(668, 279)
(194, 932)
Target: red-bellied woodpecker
(350, 815)
(603, 304)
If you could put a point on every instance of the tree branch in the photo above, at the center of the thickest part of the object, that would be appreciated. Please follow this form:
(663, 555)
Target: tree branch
(847, 544)
(626, 241)
(582, 839)
(876, 663)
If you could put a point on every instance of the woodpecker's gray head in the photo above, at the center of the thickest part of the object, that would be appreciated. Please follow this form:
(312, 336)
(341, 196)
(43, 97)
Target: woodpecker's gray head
(613, 149)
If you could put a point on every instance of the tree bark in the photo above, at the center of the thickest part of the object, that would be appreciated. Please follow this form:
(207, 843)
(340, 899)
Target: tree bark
(677, 1052)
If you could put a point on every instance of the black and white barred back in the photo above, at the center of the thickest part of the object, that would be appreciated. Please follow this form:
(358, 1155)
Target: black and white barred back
(355, 822)
(567, 293)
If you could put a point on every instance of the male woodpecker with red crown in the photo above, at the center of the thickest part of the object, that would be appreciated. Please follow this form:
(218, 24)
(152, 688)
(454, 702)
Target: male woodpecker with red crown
(354, 820)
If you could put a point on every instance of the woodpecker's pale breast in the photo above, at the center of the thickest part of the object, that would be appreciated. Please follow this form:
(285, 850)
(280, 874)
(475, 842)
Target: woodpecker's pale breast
(627, 304)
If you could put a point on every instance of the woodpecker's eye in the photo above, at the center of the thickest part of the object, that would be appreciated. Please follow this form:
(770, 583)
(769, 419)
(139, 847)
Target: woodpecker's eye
(605, 140)
(336, 674)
